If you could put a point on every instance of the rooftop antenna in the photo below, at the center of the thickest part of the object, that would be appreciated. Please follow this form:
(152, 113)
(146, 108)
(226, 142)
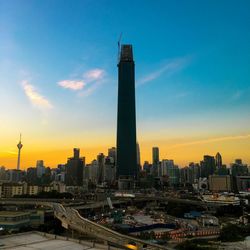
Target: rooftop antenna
(119, 47)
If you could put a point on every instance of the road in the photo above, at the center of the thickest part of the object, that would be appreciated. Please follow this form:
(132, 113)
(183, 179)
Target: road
(71, 218)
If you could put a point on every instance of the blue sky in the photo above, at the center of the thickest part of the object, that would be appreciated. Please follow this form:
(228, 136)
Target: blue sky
(58, 71)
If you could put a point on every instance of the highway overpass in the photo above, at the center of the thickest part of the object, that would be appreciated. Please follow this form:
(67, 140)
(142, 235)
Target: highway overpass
(71, 219)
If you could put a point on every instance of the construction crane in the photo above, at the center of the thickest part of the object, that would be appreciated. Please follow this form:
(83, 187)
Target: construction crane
(119, 47)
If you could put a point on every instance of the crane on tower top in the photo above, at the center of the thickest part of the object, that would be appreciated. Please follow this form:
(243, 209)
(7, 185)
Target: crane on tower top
(119, 47)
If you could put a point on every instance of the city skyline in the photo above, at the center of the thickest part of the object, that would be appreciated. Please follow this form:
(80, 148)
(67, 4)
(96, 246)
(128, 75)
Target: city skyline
(106, 153)
(58, 82)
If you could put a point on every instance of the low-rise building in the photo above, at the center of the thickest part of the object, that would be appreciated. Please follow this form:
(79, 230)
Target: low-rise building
(54, 186)
(11, 189)
(33, 190)
(220, 183)
(59, 186)
(8, 189)
(208, 220)
(13, 221)
(243, 183)
(36, 217)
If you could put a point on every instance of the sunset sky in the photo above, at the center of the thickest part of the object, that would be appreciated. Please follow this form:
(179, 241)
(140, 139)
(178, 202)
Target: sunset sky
(58, 78)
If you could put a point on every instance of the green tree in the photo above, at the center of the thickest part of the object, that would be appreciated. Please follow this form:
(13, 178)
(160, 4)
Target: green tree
(231, 232)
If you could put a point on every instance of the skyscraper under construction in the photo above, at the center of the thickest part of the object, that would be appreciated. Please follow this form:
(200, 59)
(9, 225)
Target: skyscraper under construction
(126, 117)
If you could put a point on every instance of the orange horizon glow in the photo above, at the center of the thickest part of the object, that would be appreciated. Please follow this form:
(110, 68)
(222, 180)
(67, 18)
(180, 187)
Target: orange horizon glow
(181, 151)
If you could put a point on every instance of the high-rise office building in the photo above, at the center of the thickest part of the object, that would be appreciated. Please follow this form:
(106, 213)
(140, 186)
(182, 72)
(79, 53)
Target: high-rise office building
(3, 175)
(74, 169)
(101, 162)
(218, 160)
(86, 172)
(31, 176)
(207, 166)
(238, 161)
(40, 169)
(112, 153)
(109, 170)
(76, 153)
(238, 168)
(14, 175)
(155, 162)
(126, 116)
(110, 166)
(193, 172)
(184, 176)
(190, 175)
(155, 155)
(93, 171)
(147, 167)
(171, 171)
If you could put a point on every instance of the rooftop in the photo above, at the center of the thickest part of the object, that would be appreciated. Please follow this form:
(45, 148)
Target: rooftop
(13, 213)
(37, 240)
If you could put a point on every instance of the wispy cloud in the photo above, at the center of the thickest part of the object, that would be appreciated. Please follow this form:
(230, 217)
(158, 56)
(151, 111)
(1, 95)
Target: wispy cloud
(91, 89)
(94, 75)
(10, 152)
(90, 81)
(211, 140)
(71, 84)
(168, 68)
(35, 98)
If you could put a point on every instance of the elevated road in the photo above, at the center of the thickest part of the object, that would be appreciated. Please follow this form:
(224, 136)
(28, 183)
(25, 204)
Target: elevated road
(70, 218)
(80, 204)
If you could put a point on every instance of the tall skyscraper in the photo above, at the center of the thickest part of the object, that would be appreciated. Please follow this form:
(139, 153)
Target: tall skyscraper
(171, 171)
(109, 170)
(14, 175)
(238, 168)
(218, 160)
(155, 161)
(76, 153)
(74, 169)
(2, 173)
(207, 166)
(146, 166)
(19, 146)
(238, 161)
(31, 176)
(112, 153)
(193, 172)
(155, 155)
(126, 116)
(94, 171)
(101, 162)
(40, 169)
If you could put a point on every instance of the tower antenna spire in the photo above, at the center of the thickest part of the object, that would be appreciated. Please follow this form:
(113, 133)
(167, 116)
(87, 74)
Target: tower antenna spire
(19, 146)
(119, 47)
